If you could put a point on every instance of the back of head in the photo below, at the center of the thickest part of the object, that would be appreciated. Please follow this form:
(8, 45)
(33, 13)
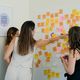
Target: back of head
(74, 37)
(10, 33)
(26, 41)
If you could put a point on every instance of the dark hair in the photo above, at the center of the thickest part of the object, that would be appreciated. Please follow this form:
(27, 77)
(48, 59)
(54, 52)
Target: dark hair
(74, 38)
(11, 32)
(26, 41)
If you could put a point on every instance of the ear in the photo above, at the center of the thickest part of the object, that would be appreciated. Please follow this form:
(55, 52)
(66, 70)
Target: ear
(11, 35)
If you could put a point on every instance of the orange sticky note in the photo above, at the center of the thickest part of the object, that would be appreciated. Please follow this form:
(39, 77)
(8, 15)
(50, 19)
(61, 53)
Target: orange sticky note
(42, 23)
(60, 11)
(39, 24)
(48, 13)
(43, 16)
(47, 59)
(45, 30)
(61, 24)
(54, 48)
(52, 15)
(66, 16)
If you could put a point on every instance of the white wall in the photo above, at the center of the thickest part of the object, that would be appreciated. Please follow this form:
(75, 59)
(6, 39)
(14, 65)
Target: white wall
(20, 10)
(20, 13)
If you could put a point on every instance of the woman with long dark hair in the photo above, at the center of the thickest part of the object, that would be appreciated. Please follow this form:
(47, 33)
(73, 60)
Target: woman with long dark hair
(12, 31)
(72, 63)
(23, 49)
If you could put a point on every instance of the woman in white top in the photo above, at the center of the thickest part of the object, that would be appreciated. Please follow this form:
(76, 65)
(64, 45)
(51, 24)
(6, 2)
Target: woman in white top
(23, 49)
(12, 31)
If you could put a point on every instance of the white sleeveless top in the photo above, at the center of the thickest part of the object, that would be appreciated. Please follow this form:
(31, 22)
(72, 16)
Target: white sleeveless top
(18, 60)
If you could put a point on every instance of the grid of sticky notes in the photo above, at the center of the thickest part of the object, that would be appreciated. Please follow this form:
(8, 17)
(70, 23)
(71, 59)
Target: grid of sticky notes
(38, 59)
(51, 74)
(48, 21)
(49, 24)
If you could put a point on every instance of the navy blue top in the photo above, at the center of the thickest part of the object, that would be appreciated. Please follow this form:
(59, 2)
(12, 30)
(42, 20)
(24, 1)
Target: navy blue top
(76, 74)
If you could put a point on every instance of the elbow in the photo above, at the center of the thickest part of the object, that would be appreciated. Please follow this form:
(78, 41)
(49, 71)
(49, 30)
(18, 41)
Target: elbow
(6, 59)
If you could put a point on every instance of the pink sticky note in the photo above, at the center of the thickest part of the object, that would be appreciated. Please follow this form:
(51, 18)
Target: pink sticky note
(58, 49)
(60, 29)
(61, 19)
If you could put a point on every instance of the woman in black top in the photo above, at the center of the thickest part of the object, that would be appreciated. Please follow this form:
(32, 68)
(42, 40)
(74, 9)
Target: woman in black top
(72, 63)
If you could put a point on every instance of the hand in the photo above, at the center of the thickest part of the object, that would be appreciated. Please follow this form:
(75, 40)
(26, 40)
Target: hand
(63, 35)
(64, 59)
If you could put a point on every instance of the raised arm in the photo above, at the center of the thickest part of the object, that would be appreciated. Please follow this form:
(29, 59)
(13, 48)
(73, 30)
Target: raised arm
(8, 50)
(41, 43)
(69, 64)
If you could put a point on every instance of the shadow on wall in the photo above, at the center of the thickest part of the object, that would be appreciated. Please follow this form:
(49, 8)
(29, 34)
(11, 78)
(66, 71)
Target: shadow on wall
(3, 65)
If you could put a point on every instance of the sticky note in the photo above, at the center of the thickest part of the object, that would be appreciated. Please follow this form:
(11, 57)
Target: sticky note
(52, 15)
(46, 30)
(60, 23)
(36, 56)
(60, 29)
(47, 22)
(54, 48)
(53, 74)
(53, 35)
(45, 72)
(60, 11)
(43, 47)
(56, 21)
(66, 16)
(56, 14)
(58, 49)
(43, 16)
(40, 53)
(48, 13)
(57, 75)
(38, 17)
(61, 19)
(39, 24)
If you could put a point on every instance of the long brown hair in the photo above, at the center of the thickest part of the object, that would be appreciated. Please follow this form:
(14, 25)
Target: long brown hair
(74, 38)
(26, 41)
(10, 33)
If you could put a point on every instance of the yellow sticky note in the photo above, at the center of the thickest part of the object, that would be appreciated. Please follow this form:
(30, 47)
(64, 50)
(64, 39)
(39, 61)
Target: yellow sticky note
(45, 72)
(57, 75)
(36, 56)
(53, 74)
(56, 21)
(49, 76)
(43, 47)
(47, 22)
(46, 30)
(53, 35)
(38, 16)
